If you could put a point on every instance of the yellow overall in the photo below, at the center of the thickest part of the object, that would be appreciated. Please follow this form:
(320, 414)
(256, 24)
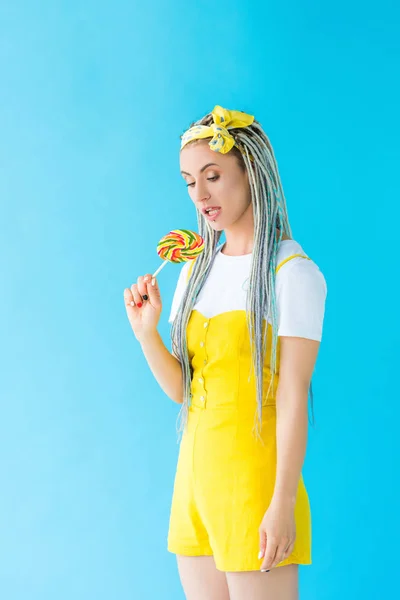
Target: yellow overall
(225, 477)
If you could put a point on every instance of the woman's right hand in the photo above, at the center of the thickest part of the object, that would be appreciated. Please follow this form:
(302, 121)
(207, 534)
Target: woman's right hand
(143, 315)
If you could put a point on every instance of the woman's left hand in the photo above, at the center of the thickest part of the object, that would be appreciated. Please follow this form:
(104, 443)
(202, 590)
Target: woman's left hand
(277, 533)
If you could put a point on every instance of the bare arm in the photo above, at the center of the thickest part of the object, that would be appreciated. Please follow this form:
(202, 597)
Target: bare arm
(143, 318)
(278, 527)
(297, 360)
(165, 367)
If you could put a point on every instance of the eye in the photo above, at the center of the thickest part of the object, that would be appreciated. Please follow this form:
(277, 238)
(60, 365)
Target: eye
(208, 179)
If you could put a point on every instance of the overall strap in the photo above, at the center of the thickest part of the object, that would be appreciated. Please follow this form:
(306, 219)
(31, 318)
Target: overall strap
(290, 258)
(277, 268)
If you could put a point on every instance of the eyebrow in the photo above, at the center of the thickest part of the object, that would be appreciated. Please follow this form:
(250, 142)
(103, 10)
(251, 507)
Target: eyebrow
(202, 168)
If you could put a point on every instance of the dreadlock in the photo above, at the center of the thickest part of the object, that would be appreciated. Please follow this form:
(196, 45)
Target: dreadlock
(270, 213)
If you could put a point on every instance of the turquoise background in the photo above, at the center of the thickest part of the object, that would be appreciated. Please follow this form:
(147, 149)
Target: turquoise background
(94, 97)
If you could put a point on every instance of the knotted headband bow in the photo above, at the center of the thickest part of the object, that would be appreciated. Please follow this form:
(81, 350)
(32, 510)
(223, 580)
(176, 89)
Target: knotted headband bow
(222, 141)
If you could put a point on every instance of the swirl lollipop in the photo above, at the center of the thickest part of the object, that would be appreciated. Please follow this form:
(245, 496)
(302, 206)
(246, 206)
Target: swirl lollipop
(179, 245)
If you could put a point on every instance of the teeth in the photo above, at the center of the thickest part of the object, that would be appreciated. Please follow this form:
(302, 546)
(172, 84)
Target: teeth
(213, 211)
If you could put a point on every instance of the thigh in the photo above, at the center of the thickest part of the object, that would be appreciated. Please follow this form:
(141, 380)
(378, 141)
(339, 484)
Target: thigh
(281, 583)
(200, 578)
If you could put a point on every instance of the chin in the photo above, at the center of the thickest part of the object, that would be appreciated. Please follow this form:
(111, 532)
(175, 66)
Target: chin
(215, 226)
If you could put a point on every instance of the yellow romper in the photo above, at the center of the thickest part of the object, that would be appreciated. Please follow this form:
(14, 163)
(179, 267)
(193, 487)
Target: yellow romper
(225, 477)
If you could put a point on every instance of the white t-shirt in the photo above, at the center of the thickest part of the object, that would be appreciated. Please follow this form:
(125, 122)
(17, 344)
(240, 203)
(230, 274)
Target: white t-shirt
(300, 290)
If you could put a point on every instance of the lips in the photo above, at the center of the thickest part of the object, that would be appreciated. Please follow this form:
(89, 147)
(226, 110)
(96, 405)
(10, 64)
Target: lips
(214, 216)
(208, 208)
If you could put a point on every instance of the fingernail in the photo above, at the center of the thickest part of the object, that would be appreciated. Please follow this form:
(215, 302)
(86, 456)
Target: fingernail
(146, 278)
(139, 304)
(132, 303)
(264, 570)
(260, 554)
(153, 281)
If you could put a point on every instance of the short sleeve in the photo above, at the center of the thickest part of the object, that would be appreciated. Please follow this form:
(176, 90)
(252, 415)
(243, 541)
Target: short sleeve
(301, 292)
(179, 291)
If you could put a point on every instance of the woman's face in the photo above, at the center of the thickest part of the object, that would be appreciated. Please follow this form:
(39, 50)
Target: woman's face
(215, 180)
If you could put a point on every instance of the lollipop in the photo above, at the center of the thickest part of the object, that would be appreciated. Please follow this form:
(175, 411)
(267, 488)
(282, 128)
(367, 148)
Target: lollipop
(179, 245)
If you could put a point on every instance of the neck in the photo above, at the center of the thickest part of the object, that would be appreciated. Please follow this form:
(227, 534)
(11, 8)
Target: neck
(244, 247)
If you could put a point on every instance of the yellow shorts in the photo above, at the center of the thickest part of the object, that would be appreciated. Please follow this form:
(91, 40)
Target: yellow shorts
(223, 486)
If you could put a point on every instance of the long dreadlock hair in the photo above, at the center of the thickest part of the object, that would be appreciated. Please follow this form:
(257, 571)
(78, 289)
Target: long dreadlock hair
(269, 210)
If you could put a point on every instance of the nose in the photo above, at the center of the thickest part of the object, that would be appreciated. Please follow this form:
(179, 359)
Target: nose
(200, 193)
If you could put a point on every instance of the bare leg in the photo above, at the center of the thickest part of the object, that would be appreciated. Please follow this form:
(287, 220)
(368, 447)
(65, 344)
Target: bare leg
(200, 578)
(281, 583)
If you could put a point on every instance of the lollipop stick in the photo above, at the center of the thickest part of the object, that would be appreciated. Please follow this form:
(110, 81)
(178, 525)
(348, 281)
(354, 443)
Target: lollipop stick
(160, 267)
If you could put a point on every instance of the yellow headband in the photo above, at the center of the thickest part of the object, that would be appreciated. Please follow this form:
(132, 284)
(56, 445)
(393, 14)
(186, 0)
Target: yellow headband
(224, 119)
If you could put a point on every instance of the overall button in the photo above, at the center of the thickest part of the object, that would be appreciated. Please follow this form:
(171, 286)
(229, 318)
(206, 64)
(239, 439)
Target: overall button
(202, 398)
(201, 380)
(205, 362)
(201, 344)
(205, 324)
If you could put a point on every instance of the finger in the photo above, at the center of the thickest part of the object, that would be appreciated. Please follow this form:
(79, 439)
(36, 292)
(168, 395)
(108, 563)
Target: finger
(153, 292)
(289, 550)
(280, 554)
(149, 282)
(130, 306)
(263, 543)
(128, 298)
(270, 553)
(142, 282)
(137, 298)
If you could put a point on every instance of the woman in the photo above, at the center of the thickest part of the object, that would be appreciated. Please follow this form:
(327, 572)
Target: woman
(247, 320)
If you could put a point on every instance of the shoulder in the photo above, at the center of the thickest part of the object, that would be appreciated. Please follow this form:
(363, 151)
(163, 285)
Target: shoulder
(296, 268)
(301, 292)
